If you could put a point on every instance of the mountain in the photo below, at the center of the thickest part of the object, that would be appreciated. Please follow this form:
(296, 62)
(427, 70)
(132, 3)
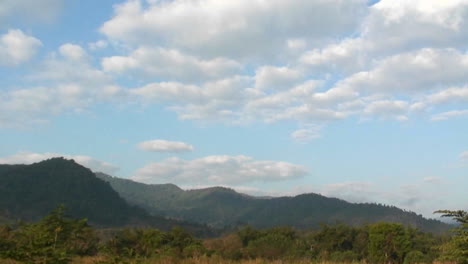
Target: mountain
(222, 207)
(29, 192)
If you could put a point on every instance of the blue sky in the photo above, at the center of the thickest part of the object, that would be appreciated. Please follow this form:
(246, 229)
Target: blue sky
(365, 101)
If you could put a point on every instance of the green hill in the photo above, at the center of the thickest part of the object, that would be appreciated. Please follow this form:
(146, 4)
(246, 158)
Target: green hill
(222, 207)
(29, 192)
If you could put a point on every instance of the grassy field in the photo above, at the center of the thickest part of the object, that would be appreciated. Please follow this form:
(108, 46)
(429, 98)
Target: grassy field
(199, 260)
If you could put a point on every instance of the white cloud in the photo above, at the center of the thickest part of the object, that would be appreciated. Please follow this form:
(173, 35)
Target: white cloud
(73, 52)
(464, 155)
(100, 44)
(170, 64)
(65, 82)
(453, 94)
(449, 114)
(420, 71)
(26, 157)
(302, 103)
(393, 27)
(306, 134)
(276, 78)
(221, 169)
(388, 109)
(347, 56)
(399, 25)
(235, 29)
(17, 47)
(44, 10)
(212, 100)
(159, 145)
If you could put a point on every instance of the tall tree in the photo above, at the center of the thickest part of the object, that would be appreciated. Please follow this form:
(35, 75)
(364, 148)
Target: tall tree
(457, 248)
(388, 243)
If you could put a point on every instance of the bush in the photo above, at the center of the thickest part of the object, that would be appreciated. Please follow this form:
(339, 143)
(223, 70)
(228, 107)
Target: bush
(55, 239)
(416, 257)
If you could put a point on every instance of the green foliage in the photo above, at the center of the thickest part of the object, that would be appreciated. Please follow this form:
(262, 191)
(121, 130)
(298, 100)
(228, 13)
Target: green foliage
(340, 242)
(416, 257)
(221, 207)
(228, 247)
(144, 243)
(248, 234)
(54, 239)
(272, 243)
(7, 243)
(29, 192)
(457, 248)
(135, 243)
(388, 243)
(57, 239)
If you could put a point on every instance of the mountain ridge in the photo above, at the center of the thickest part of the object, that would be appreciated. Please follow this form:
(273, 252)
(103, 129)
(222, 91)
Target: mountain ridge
(29, 192)
(222, 207)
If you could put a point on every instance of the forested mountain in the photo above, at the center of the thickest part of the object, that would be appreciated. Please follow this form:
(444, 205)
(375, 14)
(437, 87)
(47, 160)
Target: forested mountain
(29, 192)
(221, 207)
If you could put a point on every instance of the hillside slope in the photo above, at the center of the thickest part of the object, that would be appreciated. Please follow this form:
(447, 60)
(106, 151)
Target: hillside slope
(29, 192)
(220, 207)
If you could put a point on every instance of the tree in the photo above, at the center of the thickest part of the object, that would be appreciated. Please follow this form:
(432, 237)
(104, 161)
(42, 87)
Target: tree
(135, 243)
(54, 239)
(457, 248)
(388, 243)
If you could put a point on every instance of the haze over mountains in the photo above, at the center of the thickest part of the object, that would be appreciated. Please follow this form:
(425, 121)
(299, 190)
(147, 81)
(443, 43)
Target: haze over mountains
(220, 207)
(28, 192)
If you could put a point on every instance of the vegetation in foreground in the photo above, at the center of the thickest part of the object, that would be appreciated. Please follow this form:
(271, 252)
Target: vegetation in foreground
(58, 239)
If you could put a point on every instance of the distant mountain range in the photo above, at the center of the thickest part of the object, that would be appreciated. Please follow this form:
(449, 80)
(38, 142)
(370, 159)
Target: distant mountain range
(221, 207)
(29, 192)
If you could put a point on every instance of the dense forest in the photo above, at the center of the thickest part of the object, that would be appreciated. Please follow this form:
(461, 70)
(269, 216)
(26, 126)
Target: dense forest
(106, 220)
(220, 207)
(57, 239)
(29, 192)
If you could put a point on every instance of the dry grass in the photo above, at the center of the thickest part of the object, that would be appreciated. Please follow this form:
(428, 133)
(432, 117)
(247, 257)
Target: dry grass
(8, 261)
(199, 260)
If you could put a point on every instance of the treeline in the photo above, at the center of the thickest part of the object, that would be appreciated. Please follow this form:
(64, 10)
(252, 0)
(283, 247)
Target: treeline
(58, 239)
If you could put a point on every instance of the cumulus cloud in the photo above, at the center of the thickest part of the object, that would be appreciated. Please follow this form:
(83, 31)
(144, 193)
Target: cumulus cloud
(170, 64)
(388, 109)
(449, 114)
(237, 29)
(16, 47)
(242, 61)
(221, 169)
(215, 100)
(27, 157)
(391, 28)
(276, 78)
(159, 145)
(398, 25)
(65, 82)
(345, 57)
(407, 73)
(453, 94)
